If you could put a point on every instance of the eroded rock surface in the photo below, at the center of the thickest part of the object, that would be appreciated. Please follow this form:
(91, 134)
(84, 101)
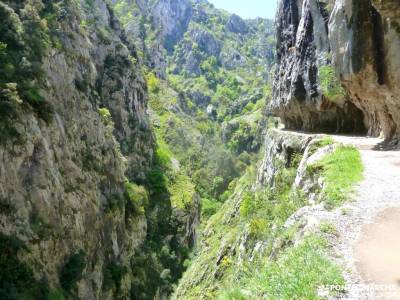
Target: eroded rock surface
(365, 41)
(67, 157)
(359, 40)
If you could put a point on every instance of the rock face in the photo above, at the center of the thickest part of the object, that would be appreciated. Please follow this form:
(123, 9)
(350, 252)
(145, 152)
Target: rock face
(64, 178)
(172, 17)
(160, 26)
(228, 243)
(365, 41)
(75, 153)
(206, 42)
(236, 24)
(359, 42)
(280, 148)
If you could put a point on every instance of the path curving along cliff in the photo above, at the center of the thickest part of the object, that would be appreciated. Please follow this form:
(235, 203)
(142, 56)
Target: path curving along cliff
(368, 244)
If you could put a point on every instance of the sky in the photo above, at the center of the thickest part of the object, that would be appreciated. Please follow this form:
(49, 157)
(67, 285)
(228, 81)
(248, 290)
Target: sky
(248, 8)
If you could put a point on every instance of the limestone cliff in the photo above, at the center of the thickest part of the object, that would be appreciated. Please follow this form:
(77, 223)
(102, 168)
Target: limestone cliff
(79, 192)
(325, 46)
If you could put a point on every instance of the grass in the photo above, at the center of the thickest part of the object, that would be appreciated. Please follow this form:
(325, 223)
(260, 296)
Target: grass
(341, 170)
(261, 215)
(301, 270)
(182, 191)
(282, 269)
(328, 228)
(319, 144)
(298, 273)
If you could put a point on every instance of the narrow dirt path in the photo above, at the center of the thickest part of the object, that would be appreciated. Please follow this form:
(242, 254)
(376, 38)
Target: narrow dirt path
(368, 239)
(369, 226)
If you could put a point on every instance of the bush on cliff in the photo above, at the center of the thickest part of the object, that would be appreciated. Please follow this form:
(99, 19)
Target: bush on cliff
(330, 84)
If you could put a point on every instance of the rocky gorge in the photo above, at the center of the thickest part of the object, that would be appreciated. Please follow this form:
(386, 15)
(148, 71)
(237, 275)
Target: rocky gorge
(142, 154)
(90, 205)
(277, 232)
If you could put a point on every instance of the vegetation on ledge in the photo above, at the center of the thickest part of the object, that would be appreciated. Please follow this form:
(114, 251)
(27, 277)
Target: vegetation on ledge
(330, 84)
(341, 170)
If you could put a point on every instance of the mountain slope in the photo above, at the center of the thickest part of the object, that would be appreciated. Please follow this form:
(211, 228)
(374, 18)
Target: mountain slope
(274, 237)
(100, 197)
(271, 238)
(210, 69)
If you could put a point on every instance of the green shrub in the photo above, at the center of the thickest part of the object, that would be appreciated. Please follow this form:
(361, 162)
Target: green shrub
(257, 228)
(104, 35)
(72, 271)
(224, 94)
(249, 107)
(330, 84)
(116, 202)
(9, 100)
(209, 65)
(105, 116)
(206, 128)
(157, 180)
(247, 206)
(137, 196)
(225, 196)
(55, 295)
(153, 83)
(209, 208)
(33, 96)
(163, 155)
(7, 207)
(295, 159)
(90, 162)
(24, 41)
(16, 277)
(113, 274)
(182, 191)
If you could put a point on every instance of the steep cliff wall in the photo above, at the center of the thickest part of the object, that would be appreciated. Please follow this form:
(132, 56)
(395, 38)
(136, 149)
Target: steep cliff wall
(325, 46)
(81, 198)
(366, 56)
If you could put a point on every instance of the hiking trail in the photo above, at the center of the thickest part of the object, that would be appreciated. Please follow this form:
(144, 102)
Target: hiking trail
(369, 230)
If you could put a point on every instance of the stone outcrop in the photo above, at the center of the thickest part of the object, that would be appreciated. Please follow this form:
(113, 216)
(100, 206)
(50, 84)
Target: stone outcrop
(168, 20)
(172, 17)
(236, 24)
(359, 40)
(280, 148)
(365, 42)
(206, 41)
